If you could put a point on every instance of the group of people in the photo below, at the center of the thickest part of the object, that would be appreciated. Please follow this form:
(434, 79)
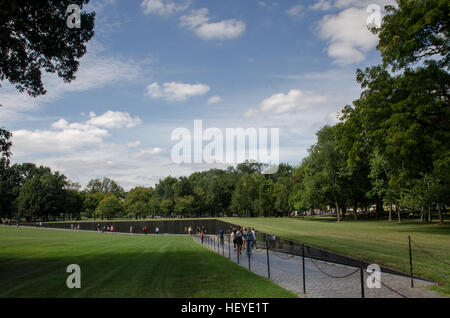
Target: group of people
(75, 227)
(145, 230)
(105, 228)
(243, 238)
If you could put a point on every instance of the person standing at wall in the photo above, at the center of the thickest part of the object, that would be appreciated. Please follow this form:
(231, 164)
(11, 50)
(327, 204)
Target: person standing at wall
(249, 240)
(221, 236)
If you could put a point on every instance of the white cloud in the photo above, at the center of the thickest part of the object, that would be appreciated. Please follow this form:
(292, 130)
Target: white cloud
(214, 100)
(112, 119)
(198, 21)
(174, 91)
(325, 5)
(95, 71)
(163, 7)
(295, 99)
(296, 11)
(250, 112)
(347, 35)
(322, 5)
(148, 152)
(67, 137)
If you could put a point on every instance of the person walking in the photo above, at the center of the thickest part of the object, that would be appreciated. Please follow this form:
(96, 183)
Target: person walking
(157, 230)
(98, 227)
(254, 237)
(221, 236)
(239, 240)
(131, 229)
(249, 239)
(201, 236)
(145, 230)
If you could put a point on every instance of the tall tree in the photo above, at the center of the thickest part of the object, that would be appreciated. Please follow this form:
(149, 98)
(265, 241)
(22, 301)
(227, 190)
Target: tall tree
(34, 36)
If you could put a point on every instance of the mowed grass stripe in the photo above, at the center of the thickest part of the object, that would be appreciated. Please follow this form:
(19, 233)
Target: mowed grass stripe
(33, 264)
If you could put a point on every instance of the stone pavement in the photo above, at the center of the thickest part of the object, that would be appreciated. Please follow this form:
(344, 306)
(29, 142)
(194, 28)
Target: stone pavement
(286, 271)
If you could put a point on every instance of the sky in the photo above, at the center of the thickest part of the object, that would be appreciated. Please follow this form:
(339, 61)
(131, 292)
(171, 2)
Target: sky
(157, 65)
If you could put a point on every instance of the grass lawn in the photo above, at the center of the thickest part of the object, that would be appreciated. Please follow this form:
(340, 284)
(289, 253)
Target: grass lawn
(380, 242)
(33, 263)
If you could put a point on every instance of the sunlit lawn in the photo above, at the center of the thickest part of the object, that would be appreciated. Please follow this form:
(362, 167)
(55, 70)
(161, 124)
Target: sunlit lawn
(33, 263)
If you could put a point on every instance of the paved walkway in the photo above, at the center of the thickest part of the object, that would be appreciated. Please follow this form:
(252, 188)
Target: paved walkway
(286, 271)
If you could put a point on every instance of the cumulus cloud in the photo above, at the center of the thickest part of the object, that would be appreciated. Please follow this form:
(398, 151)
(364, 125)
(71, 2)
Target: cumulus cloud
(198, 21)
(95, 71)
(348, 36)
(295, 99)
(214, 100)
(67, 137)
(174, 91)
(112, 119)
(163, 7)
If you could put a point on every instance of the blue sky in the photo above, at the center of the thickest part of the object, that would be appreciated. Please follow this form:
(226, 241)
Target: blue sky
(156, 65)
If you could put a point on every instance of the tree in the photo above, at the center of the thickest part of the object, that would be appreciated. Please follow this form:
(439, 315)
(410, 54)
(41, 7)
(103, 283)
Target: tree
(5, 143)
(109, 207)
(42, 196)
(35, 36)
(415, 31)
(106, 186)
(137, 201)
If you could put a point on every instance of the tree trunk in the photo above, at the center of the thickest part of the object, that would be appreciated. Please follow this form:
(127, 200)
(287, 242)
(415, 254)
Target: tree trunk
(337, 211)
(421, 215)
(430, 218)
(441, 218)
(398, 213)
(390, 212)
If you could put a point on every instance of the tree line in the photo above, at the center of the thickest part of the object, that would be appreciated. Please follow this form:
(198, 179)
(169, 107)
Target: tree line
(390, 149)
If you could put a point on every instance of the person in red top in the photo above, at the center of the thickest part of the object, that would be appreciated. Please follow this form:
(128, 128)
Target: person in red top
(201, 235)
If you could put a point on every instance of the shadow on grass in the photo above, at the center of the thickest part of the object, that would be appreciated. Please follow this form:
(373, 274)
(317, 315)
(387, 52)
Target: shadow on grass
(134, 273)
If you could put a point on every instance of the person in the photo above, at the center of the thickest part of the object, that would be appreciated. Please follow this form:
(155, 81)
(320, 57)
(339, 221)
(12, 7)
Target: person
(254, 237)
(78, 227)
(190, 230)
(201, 236)
(157, 230)
(112, 228)
(145, 229)
(40, 224)
(239, 240)
(98, 227)
(103, 229)
(71, 226)
(244, 237)
(249, 241)
(131, 229)
(221, 236)
(233, 238)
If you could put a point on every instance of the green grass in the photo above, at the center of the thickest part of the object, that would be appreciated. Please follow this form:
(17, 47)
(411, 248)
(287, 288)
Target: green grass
(33, 263)
(380, 242)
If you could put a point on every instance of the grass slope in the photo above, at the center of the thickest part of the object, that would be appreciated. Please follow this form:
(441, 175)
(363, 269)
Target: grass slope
(380, 242)
(33, 263)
